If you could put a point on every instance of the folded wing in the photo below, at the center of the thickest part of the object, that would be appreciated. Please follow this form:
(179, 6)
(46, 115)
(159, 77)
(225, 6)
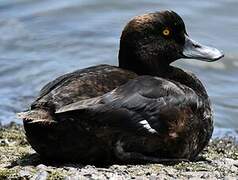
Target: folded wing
(146, 104)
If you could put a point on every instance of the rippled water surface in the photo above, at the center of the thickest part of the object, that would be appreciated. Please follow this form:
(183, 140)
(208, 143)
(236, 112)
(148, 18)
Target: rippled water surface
(40, 40)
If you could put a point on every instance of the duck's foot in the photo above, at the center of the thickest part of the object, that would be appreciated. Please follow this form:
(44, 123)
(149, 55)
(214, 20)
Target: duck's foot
(134, 156)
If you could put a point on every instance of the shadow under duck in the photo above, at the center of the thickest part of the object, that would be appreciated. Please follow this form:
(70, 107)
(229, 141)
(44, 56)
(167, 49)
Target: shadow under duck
(145, 110)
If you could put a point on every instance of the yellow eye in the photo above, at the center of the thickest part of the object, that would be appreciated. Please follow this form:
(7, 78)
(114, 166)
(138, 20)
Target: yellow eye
(166, 32)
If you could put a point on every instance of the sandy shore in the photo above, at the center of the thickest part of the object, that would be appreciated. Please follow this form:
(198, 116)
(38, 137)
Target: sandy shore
(19, 161)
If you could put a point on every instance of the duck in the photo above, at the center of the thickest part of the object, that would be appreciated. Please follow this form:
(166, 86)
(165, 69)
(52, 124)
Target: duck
(144, 110)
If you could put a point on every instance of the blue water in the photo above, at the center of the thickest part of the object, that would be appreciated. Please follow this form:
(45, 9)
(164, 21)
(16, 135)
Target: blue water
(40, 40)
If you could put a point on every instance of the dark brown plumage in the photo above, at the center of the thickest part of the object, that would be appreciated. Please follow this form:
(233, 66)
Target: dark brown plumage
(144, 110)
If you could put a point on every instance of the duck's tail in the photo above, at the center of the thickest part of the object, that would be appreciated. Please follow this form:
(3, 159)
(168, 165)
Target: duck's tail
(36, 115)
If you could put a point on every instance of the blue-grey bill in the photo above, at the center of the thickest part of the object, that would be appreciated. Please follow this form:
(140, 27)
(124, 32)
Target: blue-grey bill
(195, 50)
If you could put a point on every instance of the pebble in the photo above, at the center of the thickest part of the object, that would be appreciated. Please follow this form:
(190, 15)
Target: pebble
(24, 173)
(75, 177)
(41, 167)
(41, 175)
(4, 142)
(230, 178)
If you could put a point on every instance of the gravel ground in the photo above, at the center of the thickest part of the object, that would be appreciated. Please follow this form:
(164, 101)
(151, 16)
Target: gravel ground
(19, 161)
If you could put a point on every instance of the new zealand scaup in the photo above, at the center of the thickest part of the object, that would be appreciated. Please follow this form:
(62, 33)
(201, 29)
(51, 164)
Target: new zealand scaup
(144, 110)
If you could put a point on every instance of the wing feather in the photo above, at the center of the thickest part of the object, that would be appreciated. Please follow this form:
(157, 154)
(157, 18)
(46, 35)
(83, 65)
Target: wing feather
(144, 105)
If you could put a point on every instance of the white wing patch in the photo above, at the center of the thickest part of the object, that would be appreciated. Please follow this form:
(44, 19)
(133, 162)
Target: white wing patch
(147, 126)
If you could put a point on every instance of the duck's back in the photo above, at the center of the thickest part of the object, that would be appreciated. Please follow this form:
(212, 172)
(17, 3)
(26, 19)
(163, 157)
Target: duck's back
(80, 85)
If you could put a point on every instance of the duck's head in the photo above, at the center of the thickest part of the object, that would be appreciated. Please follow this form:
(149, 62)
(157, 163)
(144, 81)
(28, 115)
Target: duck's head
(150, 42)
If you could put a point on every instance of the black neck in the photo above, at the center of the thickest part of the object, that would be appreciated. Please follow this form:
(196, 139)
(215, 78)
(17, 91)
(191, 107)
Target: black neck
(130, 61)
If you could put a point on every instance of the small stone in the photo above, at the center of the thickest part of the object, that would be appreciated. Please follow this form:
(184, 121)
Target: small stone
(231, 162)
(170, 171)
(140, 178)
(230, 178)
(74, 178)
(42, 175)
(162, 177)
(116, 177)
(97, 176)
(41, 167)
(4, 142)
(153, 177)
(24, 173)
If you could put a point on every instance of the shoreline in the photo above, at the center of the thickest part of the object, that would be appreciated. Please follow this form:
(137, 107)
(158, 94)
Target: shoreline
(19, 161)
